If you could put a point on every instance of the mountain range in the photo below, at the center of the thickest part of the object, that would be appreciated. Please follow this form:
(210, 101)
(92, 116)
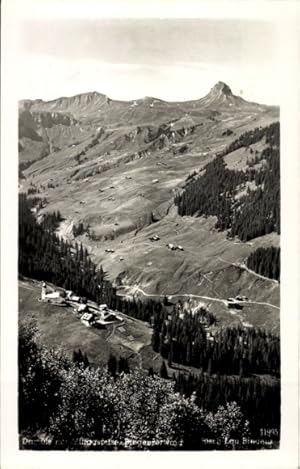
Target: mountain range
(97, 106)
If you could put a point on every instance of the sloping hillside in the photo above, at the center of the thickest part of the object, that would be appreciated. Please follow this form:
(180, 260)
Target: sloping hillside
(59, 327)
(116, 167)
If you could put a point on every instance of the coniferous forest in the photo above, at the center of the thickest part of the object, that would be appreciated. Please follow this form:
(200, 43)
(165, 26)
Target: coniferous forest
(229, 351)
(43, 256)
(266, 262)
(258, 397)
(235, 371)
(248, 216)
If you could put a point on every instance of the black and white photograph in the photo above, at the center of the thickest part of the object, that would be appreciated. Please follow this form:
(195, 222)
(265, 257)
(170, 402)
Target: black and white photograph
(149, 231)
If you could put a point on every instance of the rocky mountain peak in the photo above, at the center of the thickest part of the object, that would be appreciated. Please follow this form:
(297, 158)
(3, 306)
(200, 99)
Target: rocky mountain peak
(221, 87)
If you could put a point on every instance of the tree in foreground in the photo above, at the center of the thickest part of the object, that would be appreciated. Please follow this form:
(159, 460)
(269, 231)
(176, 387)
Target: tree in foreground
(228, 424)
(127, 411)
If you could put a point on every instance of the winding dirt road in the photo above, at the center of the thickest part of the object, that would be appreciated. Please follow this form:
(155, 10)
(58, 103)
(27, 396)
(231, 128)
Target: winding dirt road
(136, 289)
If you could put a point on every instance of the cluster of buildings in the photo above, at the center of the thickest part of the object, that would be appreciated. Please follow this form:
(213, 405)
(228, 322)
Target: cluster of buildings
(97, 316)
(170, 246)
(89, 313)
(174, 247)
(236, 302)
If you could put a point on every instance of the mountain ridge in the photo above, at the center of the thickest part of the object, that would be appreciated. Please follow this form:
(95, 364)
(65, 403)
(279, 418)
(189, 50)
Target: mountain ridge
(216, 95)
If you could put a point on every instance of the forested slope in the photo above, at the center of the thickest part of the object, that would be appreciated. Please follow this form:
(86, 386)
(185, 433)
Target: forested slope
(43, 256)
(216, 190)
(266, 262)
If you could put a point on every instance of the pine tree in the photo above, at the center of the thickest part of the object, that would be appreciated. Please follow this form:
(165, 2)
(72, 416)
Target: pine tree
(112, 365)
(170, 354)
(163, 370)
(86, 362)
(209, 367)
(123, 366)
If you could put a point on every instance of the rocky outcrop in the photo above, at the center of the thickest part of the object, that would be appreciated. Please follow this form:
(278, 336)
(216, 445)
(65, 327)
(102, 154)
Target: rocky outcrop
(28, 127)
(49, 119)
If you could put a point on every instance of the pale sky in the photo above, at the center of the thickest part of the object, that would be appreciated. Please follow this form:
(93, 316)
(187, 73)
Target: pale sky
(171, 59)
